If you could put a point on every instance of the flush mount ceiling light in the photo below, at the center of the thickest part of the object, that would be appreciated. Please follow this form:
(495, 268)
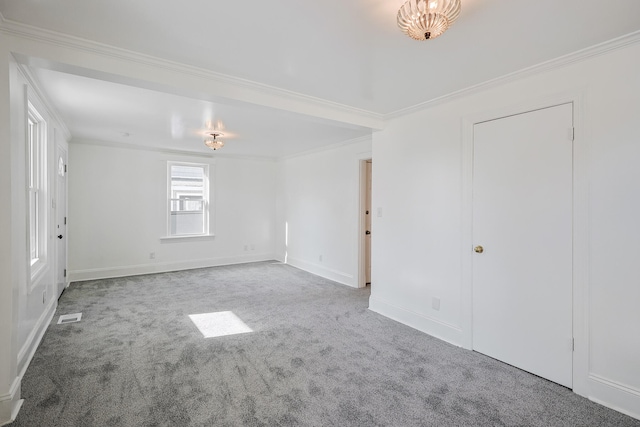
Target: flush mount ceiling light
(427, 19)
(211, 141)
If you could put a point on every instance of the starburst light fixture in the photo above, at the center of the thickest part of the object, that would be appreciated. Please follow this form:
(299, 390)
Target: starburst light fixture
(211, 141)
(427, 19)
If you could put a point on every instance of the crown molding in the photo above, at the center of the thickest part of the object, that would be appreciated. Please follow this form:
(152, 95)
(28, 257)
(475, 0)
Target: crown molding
(51, 109)
(14, 28)
(17, 29)
(560, 62)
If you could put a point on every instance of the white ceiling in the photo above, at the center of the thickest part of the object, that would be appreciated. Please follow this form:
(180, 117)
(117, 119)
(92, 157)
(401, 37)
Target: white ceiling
(104, 111)
(347, 52)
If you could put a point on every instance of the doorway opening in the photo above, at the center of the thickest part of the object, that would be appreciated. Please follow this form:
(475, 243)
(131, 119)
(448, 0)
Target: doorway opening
(61, 220)
(364, 230)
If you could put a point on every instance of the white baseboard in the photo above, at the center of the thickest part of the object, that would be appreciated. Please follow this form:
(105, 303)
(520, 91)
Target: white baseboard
(10, 403)
(162, 267)
(614, 395)
(322, 271)
(444, 331)
(30, 346)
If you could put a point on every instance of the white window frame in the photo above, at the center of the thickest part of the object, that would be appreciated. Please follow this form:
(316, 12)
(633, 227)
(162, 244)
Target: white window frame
(205, 200)
(37, 206)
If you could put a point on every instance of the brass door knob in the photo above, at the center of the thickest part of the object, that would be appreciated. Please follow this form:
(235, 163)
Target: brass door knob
(478, 249)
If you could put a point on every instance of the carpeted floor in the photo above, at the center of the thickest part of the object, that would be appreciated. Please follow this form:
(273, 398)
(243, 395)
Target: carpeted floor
(316, 357)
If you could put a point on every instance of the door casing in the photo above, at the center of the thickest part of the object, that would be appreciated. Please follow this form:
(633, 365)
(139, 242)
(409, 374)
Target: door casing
(523, 185)
(580, 225)
(61, 219)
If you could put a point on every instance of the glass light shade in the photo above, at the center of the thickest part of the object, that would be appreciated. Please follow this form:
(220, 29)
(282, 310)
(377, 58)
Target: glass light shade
(427, 19)
(213, 143)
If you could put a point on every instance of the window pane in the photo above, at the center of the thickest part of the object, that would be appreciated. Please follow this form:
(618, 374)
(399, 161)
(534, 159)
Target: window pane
(33, 224)
(37, 185)
(32, 144)
(188, 200)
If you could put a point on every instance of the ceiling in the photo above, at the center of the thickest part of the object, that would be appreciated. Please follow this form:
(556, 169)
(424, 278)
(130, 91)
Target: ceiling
(345, 52)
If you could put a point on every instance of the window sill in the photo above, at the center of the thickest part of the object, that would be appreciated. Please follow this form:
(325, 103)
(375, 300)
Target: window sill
(195, 237)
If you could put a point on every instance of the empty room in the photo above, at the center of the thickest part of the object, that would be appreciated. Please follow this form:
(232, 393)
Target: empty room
(346, 213)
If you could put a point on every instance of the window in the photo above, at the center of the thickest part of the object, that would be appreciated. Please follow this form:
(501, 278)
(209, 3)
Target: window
(188, 199)
(36, 180)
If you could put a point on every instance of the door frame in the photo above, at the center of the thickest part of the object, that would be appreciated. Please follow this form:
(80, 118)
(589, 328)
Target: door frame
(580, 282)
(61, 147)
(362, 196)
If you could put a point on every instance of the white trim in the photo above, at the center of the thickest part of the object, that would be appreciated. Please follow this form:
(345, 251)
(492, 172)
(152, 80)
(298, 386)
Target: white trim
(322, 271)
(164, 267)
(434, 327)
(377, 120)
(562, 61)
(208, 208)
(28, 349)
(52, 112)
(615, 395)
(10, 403)
(580, 220)
(15, 386)
(13, 28)
(581, 233)
(186, 238)
(36, 111)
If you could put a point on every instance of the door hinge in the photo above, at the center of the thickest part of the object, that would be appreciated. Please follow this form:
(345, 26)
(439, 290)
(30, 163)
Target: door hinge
(65, 168)
(65, 220)
(65, 272)
(573, 344)
(572, 134)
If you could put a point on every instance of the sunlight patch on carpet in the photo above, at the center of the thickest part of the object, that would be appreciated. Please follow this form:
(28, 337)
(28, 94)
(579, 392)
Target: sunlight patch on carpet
(219, 324)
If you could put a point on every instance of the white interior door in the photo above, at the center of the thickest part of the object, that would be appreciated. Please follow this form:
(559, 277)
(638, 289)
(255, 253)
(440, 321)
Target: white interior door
(61, 220)
(522, 219)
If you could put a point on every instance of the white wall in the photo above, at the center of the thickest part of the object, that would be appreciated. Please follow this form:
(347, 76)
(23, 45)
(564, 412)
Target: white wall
(320, 208)
(117, 212)
(8, 314)
(418, 180)
(27, 304)
(36, 296)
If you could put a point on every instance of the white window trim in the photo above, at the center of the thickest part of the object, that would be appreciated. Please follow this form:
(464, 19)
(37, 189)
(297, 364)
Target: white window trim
(168, 237)
(38, 265)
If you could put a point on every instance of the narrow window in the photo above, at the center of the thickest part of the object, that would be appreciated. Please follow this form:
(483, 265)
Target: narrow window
(36, 155)
(188, 199)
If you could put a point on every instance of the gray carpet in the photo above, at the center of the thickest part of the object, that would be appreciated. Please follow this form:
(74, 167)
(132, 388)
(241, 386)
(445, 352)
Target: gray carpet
(317, 357)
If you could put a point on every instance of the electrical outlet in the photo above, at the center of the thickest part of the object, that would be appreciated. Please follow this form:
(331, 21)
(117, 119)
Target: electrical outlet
(152, 255)
(435, 303)
(320, 258)
(246, 247)
(379, 212)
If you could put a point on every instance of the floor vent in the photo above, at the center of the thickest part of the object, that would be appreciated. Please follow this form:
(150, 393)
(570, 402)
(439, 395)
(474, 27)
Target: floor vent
(69, 318)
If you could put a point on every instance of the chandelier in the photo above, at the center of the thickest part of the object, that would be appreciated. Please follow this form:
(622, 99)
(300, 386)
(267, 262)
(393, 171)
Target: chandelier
(211, 141)
(427, 19)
